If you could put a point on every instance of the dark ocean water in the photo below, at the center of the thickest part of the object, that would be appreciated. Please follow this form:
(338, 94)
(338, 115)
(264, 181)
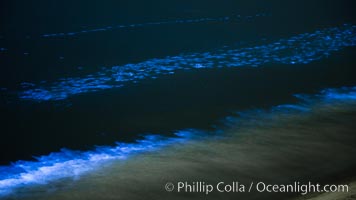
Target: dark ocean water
(77, 75)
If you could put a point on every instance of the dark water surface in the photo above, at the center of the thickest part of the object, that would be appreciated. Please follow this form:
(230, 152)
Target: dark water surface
(310, 141)
(80, 74)
(194, 99)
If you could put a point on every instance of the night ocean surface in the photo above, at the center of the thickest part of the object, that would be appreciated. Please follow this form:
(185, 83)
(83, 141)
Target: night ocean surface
(115, 99)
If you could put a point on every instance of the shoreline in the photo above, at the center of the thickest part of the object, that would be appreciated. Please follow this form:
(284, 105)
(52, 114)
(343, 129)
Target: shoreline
(189, 99)
(276, 148)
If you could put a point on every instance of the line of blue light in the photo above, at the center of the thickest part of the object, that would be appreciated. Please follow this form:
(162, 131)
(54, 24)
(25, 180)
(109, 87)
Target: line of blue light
(300, 49)
(231, 18)
(73, 164)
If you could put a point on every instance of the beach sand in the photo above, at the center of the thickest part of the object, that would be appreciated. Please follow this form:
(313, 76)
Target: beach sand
(333, 196)
(272, 147)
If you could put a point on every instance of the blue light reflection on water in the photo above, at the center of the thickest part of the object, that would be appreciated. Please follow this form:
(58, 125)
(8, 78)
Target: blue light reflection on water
(72, 164)
(299, 49)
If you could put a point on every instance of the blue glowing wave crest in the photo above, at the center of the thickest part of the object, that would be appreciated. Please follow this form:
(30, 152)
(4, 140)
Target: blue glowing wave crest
(72, 164)
(300, 49)
(68, 163)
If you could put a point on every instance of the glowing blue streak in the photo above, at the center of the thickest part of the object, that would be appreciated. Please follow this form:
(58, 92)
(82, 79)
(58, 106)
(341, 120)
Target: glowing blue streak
(68, 163)
(148, 24)
(330, 95)
(327, 97)
(300, 49)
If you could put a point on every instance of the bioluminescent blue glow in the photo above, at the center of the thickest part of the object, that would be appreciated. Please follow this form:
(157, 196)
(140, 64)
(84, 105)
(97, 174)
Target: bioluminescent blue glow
(68, 163)
(300, 49)
(2, 49)
(344, 93)
(232, 18)
(72, 164)
(327, 97)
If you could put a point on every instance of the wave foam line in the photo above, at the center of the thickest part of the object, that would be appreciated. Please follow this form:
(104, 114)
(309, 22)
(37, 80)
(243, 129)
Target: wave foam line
(300, 49)
(233, 18)
(69, 163)
(326, 98)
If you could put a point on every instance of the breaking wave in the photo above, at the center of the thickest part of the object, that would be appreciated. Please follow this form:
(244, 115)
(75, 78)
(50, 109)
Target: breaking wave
(299, 49)
(72, 164)
(69, 163)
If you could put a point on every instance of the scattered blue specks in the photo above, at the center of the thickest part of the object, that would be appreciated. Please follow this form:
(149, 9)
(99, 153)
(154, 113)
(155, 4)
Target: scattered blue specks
(198, 66)
(68, 163)
(27, 84)
(300, 49)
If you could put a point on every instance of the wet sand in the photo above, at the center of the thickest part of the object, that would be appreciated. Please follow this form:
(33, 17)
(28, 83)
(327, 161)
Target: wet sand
(273, 147)
(285, 42)
(334, 196)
